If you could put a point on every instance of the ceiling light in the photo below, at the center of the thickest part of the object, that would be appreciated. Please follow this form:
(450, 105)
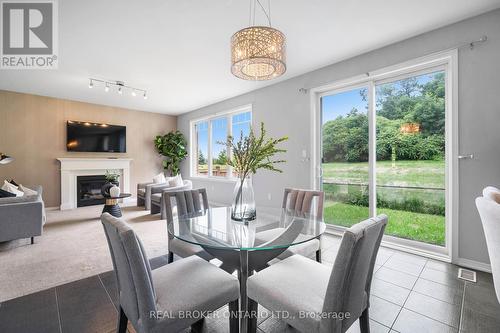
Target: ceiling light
(258, 52)
(120, 86)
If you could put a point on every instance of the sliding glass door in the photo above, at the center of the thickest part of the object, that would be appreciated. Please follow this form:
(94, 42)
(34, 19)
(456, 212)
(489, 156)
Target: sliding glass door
(344, 119)
(389, 133)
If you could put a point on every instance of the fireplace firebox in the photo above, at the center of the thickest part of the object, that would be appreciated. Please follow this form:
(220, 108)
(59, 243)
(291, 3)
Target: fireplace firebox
(89, 190)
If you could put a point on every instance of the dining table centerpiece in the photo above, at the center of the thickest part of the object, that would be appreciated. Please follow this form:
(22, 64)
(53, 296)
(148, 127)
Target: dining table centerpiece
(249, 154)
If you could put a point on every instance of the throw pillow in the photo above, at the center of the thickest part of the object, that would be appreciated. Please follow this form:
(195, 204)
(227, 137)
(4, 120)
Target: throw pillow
(159, 179)
(176, 181)
(11, 188)
(6, 194)
(27, 191)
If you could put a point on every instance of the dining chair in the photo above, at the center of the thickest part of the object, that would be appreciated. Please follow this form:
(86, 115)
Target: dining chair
(489, 210)
(300, 201)
(168, 298)
(188, 202)
(315, 297)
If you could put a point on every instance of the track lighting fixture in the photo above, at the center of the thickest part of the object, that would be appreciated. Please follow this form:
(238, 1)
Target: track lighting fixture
(121, 86)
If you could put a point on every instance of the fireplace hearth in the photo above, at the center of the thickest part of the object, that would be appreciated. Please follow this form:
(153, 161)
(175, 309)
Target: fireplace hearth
(89, 190)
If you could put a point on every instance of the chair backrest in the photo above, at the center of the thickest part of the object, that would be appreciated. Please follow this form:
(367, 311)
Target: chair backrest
(349, 285)
(489, 211)
(188, 201)
(301, 200)
(133, 273)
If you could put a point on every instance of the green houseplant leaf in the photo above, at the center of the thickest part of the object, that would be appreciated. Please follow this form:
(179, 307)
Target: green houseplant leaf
(173, 147)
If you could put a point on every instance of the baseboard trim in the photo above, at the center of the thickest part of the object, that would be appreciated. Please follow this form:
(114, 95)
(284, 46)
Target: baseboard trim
(473, 264)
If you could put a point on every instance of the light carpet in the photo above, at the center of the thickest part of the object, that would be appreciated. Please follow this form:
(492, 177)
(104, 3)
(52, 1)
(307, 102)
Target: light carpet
(73, 246)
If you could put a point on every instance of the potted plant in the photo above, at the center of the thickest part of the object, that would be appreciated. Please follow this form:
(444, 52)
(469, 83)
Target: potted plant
(248, 155)
(112, 179)
(173, 147)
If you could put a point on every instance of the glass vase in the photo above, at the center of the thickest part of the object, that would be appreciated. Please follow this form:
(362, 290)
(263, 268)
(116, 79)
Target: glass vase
(243, 207)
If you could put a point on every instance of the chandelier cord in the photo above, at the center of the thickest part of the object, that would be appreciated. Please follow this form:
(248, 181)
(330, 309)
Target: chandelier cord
(268, 15)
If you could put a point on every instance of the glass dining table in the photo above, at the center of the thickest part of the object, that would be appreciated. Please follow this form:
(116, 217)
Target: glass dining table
(246, 246)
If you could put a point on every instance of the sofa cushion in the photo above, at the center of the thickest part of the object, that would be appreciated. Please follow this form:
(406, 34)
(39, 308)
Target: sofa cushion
(156, 197)
(27, 191)
(159, 178)
(11, 188)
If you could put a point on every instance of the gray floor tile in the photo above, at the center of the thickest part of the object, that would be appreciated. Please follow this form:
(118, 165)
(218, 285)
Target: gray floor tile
(395, 277)
(442, 266)
(390, 292)
(374, 327)
(481, 299)
(412, 322)
(477, 322)
(404, 266)
(439, 291)
(444, 312)
(441, 277)
(408, 257)
(383, 311)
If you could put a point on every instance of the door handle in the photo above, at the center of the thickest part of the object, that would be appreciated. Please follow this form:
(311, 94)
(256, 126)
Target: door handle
(466, 157)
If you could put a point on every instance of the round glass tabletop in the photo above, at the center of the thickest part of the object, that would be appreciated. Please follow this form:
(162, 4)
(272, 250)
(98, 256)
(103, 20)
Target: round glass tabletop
(272, 229)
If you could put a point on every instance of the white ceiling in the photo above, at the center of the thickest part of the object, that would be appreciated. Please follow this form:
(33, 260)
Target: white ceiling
(179, 49)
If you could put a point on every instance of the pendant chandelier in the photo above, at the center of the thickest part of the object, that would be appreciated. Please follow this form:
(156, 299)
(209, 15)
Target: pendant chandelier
(258, 52)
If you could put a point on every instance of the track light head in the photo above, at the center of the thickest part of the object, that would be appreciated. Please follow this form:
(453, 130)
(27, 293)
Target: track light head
(106, 88)
(120, 91)
(91, 84)
(133, 93)
(145, 96)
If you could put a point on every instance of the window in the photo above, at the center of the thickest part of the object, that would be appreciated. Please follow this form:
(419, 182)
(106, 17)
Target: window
(209, 156)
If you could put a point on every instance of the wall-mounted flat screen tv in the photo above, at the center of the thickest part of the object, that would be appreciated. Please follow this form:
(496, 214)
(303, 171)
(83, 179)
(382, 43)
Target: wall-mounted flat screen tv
(92, 137)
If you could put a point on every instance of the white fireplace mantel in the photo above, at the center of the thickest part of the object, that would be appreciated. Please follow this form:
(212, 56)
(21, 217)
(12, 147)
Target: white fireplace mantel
(74, 167)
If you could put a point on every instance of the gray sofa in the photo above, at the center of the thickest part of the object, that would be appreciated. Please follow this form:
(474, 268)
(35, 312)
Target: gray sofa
(22, 217)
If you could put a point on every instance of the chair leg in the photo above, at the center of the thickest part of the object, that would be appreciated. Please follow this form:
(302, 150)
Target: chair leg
(318, 255)
(364, 322)
(122, 322)
(253, 311)
(170, 257)
(32, 240)
(198, 326)
(234, 318)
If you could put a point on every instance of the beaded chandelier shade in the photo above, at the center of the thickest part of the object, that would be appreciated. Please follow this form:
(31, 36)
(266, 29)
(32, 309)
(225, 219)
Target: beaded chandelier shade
(258, 52)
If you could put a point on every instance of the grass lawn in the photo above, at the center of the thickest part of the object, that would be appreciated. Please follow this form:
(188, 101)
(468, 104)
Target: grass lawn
(404, 173)
(421, 227)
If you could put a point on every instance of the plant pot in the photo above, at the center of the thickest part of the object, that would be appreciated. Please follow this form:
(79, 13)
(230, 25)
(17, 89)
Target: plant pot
(243, 207)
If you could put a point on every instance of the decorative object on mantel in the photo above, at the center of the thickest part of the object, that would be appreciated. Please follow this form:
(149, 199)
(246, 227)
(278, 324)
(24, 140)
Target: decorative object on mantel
(112, 179)
(120, 87)
(258, 52)
(173, 147)
(114, 191)
(250, 154)
(4, 159)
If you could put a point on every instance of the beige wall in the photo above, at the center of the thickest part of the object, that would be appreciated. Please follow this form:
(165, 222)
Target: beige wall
(33, 131)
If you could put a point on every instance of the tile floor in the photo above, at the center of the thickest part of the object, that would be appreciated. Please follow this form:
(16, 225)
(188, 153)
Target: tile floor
(409, 294)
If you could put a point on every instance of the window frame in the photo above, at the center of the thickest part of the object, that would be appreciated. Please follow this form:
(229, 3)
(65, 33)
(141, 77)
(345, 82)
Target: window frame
(193, 143)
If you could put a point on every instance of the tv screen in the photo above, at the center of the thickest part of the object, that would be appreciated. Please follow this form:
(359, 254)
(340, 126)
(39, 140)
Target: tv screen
(91, 137)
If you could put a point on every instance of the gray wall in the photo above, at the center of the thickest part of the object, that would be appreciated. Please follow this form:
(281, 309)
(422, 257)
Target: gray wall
(285, 111)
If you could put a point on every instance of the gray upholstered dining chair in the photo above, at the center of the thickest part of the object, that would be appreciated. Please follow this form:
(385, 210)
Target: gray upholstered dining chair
(168, 298)
(157, 193)
(188, 202)
(324, 294)
(489, 210)
(302, 202)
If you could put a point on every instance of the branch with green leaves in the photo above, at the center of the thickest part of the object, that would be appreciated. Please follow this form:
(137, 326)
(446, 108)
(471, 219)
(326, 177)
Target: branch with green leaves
(253, 152)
